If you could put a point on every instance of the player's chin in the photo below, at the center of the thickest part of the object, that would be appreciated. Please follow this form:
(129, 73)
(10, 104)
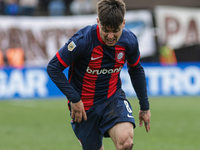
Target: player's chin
(111, 43)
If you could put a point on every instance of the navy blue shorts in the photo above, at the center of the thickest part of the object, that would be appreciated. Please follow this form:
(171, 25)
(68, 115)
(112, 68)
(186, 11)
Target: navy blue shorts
(102, 117)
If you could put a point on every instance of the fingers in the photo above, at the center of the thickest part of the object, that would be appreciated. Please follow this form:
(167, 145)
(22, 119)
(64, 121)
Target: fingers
(144, 116)
(84, 115)
(78, 116)
(141, 122)
(78, 112)
(147, 126)
(72, 115)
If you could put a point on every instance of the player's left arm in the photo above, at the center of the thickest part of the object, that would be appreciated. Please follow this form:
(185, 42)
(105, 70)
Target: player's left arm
(138, 79)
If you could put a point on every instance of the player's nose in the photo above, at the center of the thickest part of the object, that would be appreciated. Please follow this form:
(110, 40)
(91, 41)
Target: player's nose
(110, 35)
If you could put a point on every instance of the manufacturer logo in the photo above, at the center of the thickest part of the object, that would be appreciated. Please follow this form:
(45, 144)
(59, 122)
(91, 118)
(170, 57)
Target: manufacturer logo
(92, 58)
(130, 116)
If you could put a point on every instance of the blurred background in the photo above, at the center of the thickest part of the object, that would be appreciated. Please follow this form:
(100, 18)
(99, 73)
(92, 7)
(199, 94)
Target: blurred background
(34, 113)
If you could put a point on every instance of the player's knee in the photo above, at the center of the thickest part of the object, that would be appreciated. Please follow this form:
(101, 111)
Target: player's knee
(126, 144)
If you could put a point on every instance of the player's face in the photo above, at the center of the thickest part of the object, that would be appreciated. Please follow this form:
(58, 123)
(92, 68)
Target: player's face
(108, 35)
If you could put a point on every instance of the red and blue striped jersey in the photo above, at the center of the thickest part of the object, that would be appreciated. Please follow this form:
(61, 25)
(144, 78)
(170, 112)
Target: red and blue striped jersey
(94, 67)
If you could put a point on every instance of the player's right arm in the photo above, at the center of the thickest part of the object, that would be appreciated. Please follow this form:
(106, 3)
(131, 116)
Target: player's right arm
(66, 56)
(55, 71)
(72, 51)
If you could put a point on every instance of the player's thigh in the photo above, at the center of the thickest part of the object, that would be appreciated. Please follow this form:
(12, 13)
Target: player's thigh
(121, 132)
(87, 131)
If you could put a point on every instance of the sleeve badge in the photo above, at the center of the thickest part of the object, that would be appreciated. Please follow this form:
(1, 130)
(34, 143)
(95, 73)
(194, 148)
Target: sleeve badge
(71, 46)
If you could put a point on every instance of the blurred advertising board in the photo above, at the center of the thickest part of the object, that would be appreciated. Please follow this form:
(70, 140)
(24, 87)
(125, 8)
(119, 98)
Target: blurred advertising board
(31, 82)
(178, 26)
(41, 37)
(182, 79)
(179, 80)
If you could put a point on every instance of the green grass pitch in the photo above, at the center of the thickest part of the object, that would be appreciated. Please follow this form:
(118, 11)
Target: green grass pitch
(45, 125)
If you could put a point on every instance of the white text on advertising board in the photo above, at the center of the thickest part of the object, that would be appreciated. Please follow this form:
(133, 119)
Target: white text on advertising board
(29, 84)
(167, 81)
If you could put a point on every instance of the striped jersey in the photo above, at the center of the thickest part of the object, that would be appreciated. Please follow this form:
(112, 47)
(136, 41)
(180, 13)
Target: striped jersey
(94, 67)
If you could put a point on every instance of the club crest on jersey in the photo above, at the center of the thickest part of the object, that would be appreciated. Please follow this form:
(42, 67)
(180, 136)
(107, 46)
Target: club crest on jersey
(119, 56)
(71, 46)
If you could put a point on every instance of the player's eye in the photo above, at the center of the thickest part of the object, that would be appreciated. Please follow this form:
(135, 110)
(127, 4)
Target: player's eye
(105, 30)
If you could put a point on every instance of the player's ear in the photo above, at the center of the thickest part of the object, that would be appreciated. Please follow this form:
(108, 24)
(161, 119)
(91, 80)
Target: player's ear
(124, 22)
(98, 21)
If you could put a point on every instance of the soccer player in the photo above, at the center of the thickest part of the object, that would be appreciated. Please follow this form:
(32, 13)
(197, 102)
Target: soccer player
(95, 56)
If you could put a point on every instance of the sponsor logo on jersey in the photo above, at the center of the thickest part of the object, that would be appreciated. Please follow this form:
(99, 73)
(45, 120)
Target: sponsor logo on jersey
(103, 71)
(71, 46)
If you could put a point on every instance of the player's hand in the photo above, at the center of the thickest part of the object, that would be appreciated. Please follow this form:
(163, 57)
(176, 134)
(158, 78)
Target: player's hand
(78, 111)
(144, 116)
